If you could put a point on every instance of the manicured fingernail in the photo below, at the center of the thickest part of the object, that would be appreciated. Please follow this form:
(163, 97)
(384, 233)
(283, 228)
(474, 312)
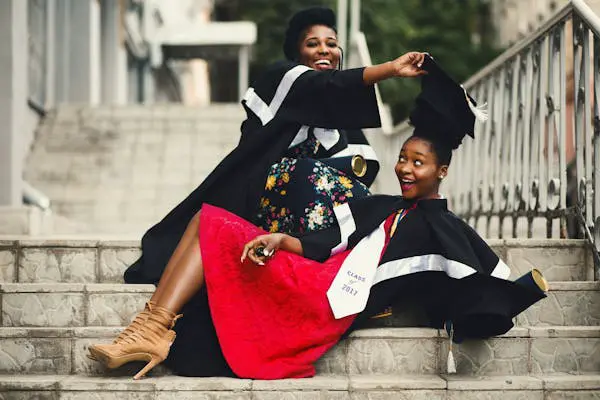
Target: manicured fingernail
(261, 263)
(420, 65)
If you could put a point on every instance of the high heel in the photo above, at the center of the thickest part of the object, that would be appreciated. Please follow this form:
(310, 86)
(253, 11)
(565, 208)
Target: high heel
(132, 327)
(150, 342)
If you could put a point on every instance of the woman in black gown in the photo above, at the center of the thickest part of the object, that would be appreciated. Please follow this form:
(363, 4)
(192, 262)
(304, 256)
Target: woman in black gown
(290, 168)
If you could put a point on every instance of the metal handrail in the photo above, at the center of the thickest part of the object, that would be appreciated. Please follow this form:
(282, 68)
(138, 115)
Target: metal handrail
(360, 57)
(585, 13)
(536, 161)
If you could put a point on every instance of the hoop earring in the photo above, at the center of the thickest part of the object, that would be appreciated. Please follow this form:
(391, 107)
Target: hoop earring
(341, 63)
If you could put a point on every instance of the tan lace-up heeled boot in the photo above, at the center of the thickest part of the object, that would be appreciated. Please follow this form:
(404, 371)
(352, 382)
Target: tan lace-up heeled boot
(150, 342)
(133, 326)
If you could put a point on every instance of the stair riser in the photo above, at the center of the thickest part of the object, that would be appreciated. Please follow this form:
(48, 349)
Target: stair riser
(66, 264)
(373, 387)
(309, 395)
(105, 264)
(356, 356)
(75, 309)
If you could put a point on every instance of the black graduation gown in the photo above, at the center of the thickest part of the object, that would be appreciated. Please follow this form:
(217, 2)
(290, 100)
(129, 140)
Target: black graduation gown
(435, 259)
(287, 97)
(284, 99)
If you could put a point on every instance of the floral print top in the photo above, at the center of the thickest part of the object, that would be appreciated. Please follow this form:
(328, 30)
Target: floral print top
(300, 192)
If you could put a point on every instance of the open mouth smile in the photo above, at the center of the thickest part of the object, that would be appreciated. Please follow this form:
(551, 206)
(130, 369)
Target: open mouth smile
(406, 184)
(323, 64)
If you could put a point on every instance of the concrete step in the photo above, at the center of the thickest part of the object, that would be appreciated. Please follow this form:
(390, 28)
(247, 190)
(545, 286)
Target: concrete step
(103, 261)
(380, 387)
(121, 169)
(76, 113)
(75, 305)
(522, 351)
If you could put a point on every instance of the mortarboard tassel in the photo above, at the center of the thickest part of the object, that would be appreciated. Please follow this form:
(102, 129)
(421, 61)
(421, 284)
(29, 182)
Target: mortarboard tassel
(450, 363)
(480, 112)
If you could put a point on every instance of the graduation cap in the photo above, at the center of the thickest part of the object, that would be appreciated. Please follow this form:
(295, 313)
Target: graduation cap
(302, 20)
(444, 111)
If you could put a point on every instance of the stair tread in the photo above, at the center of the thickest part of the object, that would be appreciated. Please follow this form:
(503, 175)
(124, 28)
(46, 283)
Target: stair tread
(319, 382)
(60, 287)
(580, 331)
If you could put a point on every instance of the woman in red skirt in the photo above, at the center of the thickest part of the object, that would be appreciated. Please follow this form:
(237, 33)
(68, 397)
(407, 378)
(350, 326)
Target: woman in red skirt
(279, 302)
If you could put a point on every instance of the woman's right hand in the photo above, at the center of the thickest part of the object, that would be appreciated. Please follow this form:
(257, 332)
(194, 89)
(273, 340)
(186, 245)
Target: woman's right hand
(271, 243)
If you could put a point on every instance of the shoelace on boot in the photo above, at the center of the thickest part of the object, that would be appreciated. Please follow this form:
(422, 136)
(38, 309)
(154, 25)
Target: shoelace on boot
(154, 328)
(136, 324)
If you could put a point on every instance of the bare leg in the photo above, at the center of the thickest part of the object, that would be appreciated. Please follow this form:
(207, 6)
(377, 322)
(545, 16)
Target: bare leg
(150, 338)
(184, 281)
(190, 233)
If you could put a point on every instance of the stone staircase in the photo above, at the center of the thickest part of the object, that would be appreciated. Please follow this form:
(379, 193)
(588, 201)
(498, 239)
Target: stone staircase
(119, 170)
(58, 296)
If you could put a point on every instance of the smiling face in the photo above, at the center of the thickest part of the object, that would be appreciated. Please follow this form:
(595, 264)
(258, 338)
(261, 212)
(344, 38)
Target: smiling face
(319, 48)
(418, 169)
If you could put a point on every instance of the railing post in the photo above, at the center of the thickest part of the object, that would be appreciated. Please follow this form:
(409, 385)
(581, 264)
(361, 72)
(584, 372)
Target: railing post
(342, 24)
(13, 98)
(243, 70)
(596, 142)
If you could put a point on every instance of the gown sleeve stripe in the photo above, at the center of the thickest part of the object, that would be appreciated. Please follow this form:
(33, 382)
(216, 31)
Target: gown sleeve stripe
(267, 112)
(258, 106)
(364, 150)
(346, 224)
(422, 263)
(501, 270)
(285, 85)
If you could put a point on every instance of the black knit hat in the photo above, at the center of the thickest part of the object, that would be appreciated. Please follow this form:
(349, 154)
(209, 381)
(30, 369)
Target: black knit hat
(302, 20)
(444, 112)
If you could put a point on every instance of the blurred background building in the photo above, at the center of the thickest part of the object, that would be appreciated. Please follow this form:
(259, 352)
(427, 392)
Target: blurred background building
(109, 104)
(108, 52)
(516, 19)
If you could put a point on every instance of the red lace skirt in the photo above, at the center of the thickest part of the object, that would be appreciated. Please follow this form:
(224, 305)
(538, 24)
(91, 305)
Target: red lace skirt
(272, 321)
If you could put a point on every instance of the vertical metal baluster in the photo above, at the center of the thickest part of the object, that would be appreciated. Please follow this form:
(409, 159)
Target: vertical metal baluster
(580, 113)
(479, 152)
(499, 128)
(506, 148)
(477, 157)
(512, 153)
(535, 156)
(562, 128)
(596, 165)
(550, 129)
(527, 114)
(589, 131)
(488, 162)
(543, 128)
(520, 145)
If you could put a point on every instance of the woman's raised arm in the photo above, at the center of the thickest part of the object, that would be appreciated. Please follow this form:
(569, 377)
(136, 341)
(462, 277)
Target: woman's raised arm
(407, 66)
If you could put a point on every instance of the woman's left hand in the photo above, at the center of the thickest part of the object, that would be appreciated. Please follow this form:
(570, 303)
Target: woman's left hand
(270, 243)
(409, 65)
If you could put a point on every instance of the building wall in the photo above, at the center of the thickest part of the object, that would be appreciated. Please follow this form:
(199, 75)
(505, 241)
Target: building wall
(524, 15)
(193, 75)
